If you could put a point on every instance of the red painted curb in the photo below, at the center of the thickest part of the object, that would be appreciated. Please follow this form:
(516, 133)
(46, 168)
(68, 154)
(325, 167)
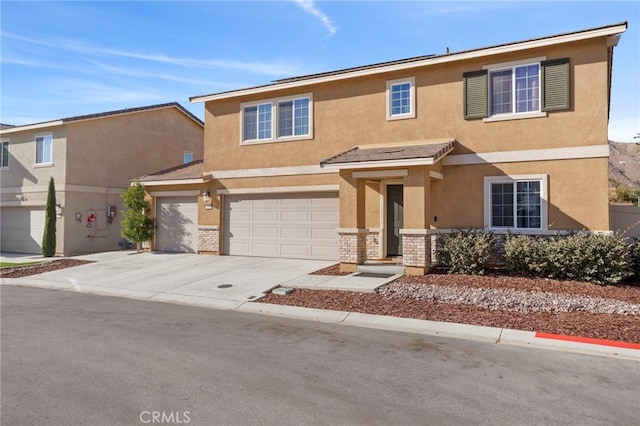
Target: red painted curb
(592, 341)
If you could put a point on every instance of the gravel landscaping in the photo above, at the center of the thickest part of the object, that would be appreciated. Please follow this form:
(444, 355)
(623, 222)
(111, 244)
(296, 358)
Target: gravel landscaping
(532, 304)
(46, 266)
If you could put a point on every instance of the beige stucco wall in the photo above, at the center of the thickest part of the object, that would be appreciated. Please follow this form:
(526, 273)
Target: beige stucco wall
(93, 162)
(349, 113)
(353, 112)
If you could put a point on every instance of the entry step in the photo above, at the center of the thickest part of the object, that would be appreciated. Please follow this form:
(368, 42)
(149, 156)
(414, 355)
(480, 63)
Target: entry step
(382, 268)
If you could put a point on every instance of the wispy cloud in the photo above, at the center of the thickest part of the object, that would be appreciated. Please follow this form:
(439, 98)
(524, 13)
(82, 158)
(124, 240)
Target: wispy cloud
(270, 68)
(309, 6)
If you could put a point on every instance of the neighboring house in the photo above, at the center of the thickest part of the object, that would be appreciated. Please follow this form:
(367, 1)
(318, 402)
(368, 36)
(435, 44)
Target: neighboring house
(373, 162)
(92, 159)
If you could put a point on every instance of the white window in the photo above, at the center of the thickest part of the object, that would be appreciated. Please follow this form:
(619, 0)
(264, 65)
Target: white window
(516, 202)
(187, 157)
(44, 147)
(277, 120)
(401, 101)
(4, 160)
(514, 88)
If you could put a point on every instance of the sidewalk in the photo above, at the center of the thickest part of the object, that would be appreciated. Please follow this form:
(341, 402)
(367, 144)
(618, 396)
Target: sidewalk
(234, 283)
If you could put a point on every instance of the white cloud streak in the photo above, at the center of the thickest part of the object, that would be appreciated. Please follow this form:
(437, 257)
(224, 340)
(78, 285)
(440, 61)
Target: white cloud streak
(273, 68)
(310, 7)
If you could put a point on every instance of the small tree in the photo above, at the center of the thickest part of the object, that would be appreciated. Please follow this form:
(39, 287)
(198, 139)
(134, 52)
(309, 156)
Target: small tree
(137, 227)
(49, 237)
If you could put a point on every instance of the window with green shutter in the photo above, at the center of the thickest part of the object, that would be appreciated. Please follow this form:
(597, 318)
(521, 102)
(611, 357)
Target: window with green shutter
(555, 80)
(475, 94)
(517, 89)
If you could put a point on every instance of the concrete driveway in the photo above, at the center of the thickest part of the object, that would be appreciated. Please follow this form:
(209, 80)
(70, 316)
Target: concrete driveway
(216, 281)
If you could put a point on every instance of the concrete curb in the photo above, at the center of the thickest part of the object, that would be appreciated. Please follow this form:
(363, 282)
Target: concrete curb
(496, 335)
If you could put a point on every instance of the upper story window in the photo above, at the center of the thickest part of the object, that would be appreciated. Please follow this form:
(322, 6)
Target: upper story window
(187, 157)
(517, 202)
(521, 89)
(44, 148)
(515, 90)
(286, 118)
(4, 160)
(401, 98)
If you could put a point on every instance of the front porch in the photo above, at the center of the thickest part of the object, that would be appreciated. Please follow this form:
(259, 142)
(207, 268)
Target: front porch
(385, 204)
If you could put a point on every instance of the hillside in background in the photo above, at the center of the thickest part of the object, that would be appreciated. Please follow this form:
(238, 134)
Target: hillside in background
(624, 164)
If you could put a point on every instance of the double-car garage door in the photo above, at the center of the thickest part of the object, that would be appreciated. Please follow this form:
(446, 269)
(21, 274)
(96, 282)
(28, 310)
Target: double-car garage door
(282, 225)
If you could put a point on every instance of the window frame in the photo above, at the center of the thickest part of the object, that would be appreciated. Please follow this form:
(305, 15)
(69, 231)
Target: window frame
(514, 179)
(412, 98)
(44, 161)
(492, 68)
(3, 143)
(275, 120)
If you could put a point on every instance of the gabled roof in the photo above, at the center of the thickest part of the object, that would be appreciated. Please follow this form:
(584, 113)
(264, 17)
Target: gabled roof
(417, 61)
(62, 121)
(185, 173)
(417, 153)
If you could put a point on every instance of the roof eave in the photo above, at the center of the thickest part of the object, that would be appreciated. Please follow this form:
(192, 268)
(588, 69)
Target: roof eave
(471, 54)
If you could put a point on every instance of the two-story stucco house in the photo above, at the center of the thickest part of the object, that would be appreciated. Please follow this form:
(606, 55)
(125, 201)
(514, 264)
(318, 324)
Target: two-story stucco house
(92, 159)
(373, 162)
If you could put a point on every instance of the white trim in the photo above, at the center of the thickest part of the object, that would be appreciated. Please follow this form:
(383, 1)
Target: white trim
(270, 171)
(280, 189)
(44, 138)
(23, 204)
(511, 64)
(170, 182)
(32, 189)
(414, 231)
(515, 116)
(191, 193)
(32, 127)
(380, 174)
(209, 227)
(517, 231)
(569, 153)
(380, 164)
(435, 175)
(352, 230)
(412, 98)
(544, 200)
(480, 53)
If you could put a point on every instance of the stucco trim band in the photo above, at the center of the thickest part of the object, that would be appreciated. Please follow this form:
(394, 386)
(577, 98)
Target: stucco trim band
(570, 153)
(270, 171)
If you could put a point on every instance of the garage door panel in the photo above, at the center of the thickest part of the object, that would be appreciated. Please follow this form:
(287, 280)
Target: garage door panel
(177, 224)
(282, 225)
(22, 229)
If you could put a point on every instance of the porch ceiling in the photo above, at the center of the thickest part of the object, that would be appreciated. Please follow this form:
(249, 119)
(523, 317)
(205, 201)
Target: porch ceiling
(405, 154)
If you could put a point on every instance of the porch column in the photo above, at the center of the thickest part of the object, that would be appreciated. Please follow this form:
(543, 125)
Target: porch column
(352, 233)
(416, 243)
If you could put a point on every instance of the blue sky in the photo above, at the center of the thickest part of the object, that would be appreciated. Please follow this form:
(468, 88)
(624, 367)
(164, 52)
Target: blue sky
(60, 59)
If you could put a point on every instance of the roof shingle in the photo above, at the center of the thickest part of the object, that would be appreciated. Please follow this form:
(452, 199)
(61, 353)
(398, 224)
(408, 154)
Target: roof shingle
(433, 151)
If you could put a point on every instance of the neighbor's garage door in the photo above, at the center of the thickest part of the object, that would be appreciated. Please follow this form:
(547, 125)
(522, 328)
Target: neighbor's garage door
(22, 229)
(177, 224)
(282, 225)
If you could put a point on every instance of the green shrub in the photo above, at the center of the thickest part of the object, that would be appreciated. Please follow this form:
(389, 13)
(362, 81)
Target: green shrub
(634, 258)
(596, 258)
(466, 252)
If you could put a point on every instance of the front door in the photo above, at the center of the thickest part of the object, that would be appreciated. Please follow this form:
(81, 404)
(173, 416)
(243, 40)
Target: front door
(394, 220)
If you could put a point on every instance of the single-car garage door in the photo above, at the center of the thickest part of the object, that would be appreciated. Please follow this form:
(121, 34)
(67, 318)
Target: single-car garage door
(177, 224)
(22, 229)
(282, 225)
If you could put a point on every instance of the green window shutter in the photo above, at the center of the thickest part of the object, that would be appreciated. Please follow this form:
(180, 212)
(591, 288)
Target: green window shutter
(556, 93)
(475, 94)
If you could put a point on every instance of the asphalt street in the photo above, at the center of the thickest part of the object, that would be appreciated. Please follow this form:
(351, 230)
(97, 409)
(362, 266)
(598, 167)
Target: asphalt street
(71, 358)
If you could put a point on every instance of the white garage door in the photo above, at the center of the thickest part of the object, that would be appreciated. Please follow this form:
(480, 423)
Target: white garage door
(177, 224)
(22, 229)
(282, 225)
